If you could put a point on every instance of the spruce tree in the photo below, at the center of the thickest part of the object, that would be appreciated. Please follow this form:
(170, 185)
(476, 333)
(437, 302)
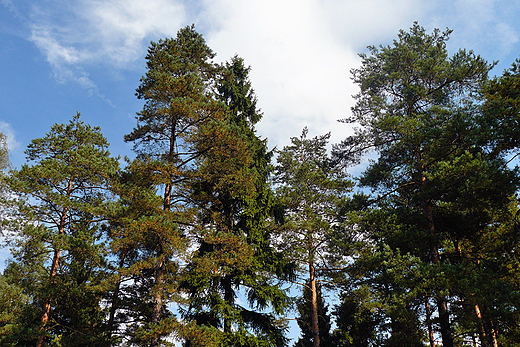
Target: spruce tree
(234, 200)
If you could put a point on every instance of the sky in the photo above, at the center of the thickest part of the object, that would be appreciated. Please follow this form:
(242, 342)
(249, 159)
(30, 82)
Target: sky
(60, 57)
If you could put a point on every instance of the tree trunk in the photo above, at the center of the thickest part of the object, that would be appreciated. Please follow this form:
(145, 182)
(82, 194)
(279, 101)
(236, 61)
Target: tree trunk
(481, 329)
(314, 306)
(158, 294)
(159, 270)
(115, 300)
(494, 333)
(429, 322)
(442, 303)
(47, 307)
(54, 271)
(444, 320)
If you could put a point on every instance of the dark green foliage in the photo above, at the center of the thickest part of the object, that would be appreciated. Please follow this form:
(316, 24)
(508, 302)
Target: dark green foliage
(501, 111)
(196, 140)
(305, 317)
(357, 319)
(441, 174)
(59, 256)
(234, 255)
(196, 227)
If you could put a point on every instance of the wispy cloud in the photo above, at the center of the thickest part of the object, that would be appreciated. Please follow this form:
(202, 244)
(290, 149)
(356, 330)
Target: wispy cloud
(74, 36)
(300, 51)
(8, 131)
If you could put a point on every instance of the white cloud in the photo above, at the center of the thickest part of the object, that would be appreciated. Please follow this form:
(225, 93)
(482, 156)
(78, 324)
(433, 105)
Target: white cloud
(112, 31)
(300, 51)
(8, 131)
(122, 27)
(75, 36)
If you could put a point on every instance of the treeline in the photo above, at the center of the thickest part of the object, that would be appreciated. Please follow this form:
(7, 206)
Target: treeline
(199, 239)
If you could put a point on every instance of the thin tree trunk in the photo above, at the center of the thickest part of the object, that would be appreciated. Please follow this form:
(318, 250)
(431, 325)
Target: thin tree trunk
(494, 334)
(429, 322)
(158, 293)
(159, 270)
(483, 335)
(314, 306)
(54, 271)
(442, 303)
(481, 329)
(47, 307)
(444, 320)
(115, 300)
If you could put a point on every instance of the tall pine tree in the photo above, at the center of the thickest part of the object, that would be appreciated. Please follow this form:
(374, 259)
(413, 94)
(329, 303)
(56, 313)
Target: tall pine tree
(63, 193)
(310, 189)
(438, 177)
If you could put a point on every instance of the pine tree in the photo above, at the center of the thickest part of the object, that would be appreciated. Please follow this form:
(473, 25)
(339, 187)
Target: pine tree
(437, 173)
(310, 189)
(169, 139)
(63, 194)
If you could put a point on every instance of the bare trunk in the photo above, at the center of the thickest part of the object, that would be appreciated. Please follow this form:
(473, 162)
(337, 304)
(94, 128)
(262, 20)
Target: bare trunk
(429, 322)
(494, 334)
(115, 300)
(47, 307)
(159, 269)
(442, 303)
(158, 295)
(444, 320)
(481, 329)
(314, 306)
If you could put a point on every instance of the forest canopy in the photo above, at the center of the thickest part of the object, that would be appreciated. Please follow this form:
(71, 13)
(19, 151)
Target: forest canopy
(209, 238)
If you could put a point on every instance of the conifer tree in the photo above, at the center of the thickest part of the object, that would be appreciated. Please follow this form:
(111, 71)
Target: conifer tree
(305, 317)
(310, 189)
(418, 109)
(174, 129)
(63, 194)
(234, 201)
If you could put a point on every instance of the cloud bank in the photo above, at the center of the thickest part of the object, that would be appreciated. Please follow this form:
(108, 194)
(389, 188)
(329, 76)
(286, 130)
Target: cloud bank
(300, 52)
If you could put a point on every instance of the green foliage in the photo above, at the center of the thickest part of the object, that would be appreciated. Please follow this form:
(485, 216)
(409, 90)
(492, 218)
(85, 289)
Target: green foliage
(179, 123)
(195, 139)
(234, 255)
(441, 171)
(196, 226)
(59, 257)
(305, 317)
(310, 189)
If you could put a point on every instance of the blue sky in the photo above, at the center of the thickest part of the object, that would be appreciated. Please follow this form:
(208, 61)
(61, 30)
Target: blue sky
(63, 56)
